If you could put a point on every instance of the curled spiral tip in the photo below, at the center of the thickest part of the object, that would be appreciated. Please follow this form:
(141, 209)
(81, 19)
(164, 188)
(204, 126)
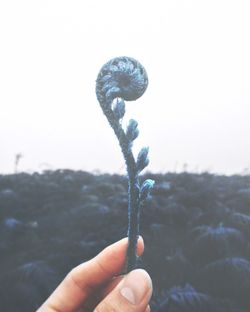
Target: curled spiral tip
(122, 77)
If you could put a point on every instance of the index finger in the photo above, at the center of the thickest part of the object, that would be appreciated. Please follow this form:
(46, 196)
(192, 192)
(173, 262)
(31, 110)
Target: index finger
(88, 276)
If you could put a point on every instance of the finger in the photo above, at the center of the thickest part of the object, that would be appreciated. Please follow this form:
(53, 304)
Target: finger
(132, 294)
(88, 276)
(148, 308)
(94, 299)
(90, 305)
(111, 285)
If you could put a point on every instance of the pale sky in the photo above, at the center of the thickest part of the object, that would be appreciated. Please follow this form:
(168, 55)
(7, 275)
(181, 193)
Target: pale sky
(195, 111)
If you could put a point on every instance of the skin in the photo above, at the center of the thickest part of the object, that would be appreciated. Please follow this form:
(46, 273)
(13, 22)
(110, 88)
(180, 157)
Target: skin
(95, 285)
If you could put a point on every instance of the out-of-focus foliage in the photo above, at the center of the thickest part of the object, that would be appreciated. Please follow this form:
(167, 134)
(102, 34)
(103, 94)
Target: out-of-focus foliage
(195, 227)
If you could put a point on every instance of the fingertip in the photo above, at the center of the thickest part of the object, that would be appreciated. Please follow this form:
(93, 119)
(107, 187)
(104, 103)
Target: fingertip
(141, 240)
(148, 309)
(132, 293)
(140, 246)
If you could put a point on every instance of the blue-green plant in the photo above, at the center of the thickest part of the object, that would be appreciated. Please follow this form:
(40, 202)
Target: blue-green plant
(125, 79)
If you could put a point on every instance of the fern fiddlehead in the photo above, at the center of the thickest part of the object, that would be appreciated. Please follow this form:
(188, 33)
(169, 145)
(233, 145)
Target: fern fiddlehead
(125, 79)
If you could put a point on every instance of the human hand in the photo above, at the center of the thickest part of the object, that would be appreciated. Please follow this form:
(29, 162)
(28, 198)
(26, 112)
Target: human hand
(95, 285)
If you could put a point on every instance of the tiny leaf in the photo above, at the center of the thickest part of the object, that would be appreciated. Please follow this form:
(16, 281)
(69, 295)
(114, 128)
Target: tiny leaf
(132, 131)
(145, 188)
(142, 159)
(119, 109)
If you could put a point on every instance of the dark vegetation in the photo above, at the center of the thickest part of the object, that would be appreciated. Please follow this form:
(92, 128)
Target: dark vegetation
(196, 230)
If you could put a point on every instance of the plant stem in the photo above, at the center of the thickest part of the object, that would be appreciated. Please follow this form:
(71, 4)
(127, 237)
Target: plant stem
(133, 188)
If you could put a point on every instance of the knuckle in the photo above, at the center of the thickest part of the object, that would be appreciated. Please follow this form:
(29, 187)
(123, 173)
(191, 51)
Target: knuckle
(71, 278)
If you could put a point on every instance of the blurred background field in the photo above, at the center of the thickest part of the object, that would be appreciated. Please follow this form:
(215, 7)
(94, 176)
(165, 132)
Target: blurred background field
(196, 229)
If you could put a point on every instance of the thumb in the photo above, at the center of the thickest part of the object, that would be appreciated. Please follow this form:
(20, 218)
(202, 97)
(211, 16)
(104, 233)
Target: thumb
(132, 294)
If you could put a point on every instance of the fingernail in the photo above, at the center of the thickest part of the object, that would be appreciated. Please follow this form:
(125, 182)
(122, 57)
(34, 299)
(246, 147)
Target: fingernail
(135, 285)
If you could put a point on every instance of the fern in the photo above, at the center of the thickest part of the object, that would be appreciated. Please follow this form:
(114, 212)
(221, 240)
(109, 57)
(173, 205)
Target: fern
(125, 79)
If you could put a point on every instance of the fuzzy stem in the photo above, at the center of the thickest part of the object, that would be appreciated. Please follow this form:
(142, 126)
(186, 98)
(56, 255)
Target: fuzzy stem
(133, 187)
